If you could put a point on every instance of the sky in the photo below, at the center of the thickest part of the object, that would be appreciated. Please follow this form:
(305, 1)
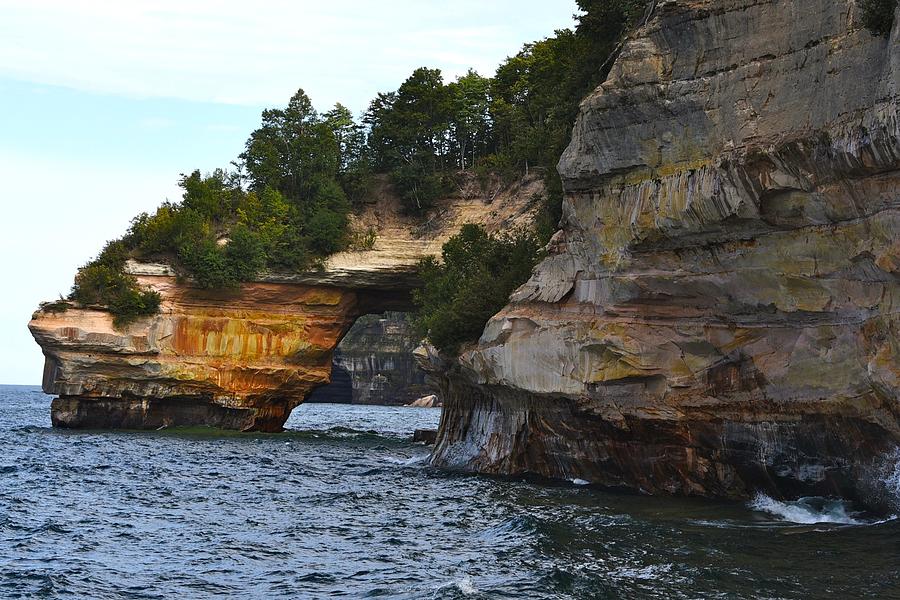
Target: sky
(104, 103)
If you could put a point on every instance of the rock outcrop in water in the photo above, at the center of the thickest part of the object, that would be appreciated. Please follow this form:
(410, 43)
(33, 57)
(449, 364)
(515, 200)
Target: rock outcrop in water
(243, 359)
(719, 313)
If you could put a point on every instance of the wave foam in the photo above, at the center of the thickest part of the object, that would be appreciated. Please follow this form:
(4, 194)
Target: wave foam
(808, 511)
(891, 478)
(466, 586)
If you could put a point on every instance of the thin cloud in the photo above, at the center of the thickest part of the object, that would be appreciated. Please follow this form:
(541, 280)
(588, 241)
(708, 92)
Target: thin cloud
(259, 53)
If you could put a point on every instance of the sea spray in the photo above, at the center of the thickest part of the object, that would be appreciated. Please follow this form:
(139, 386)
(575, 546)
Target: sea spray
(886, 482)
(809, 511)
(892, 475)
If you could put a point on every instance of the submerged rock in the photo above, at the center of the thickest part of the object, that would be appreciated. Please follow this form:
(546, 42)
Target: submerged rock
(719, 313)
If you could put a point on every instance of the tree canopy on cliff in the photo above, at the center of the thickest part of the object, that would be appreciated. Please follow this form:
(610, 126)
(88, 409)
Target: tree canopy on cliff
(287, 205)
(473, 281)
(516, 121)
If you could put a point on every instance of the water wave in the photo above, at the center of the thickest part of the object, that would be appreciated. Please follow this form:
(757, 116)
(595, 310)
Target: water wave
(466, 586)
(890, 478)
(810, 510)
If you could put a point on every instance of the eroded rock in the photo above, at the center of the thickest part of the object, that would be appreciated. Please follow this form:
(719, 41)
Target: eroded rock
(244, 358)
(719, 313)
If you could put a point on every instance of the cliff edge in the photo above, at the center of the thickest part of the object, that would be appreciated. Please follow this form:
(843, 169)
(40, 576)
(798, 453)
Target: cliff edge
(720, 313)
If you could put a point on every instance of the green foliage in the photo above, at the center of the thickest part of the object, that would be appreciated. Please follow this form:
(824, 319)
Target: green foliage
(207, 263)
(102, 282)
(364, 240)
(878, 15)
(478, 273)
(301, 173)
(327, 231)
(244, 253)
(499, 165)
(518, 120)
(290, 147)
(418, 186)
(133, 303)
(294, 214)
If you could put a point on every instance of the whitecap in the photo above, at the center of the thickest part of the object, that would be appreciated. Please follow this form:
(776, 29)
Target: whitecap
(407, 462)
(649, 572)
(808, 511)
(466, 586)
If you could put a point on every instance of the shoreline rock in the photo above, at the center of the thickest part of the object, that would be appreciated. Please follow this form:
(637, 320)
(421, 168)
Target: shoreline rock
(244, 358)
(720, 312)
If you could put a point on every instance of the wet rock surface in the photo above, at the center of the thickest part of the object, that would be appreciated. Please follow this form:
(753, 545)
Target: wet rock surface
(719, 313)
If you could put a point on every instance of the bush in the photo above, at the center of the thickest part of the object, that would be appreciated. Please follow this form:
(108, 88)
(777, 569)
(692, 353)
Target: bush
(244, 254)
(133, 303)
(478, 273)
(419, 188)
(500, 165)
(878, 15)
(327, 232)
(102, 282)
(207, 263)
(363, 240)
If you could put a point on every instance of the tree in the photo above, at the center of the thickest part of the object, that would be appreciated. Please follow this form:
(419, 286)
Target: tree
(469, 116)
(355, 172)
(478, 273)
(291, 145)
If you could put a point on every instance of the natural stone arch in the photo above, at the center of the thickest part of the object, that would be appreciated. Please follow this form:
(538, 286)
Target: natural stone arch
(244, 358)
(240, 359)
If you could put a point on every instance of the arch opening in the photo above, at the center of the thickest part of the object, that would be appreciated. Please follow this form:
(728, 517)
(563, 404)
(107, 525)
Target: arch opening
(374, 364)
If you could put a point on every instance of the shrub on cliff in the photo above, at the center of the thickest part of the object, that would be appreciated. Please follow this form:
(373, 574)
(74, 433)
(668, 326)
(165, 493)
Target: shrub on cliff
(478, 273)
(878, 15)
(102, 282)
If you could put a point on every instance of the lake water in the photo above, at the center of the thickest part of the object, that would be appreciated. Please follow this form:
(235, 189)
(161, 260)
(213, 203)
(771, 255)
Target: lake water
(344, 505)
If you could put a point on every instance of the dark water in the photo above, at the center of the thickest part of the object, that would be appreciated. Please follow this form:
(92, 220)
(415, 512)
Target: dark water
(345, 506)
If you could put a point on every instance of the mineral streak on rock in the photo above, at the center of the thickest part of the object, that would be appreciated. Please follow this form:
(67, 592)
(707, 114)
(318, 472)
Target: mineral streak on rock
(244, 358)
(719, 313)
(240, 361)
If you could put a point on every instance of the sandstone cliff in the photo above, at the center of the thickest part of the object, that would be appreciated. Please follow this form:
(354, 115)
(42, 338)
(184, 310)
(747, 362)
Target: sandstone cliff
(244, 358)
(374, 364)
(719, 313)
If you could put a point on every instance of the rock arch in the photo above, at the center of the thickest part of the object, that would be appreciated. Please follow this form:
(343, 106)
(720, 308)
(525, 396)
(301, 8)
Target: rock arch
(244, 358)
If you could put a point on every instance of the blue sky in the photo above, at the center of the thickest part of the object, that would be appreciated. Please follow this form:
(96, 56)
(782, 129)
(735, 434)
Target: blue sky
(103, 104)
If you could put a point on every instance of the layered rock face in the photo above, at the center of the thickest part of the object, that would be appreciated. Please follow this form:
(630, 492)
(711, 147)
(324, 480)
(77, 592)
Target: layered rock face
(374, 364)
(719, 313)
(239, 361)
(244, 358)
